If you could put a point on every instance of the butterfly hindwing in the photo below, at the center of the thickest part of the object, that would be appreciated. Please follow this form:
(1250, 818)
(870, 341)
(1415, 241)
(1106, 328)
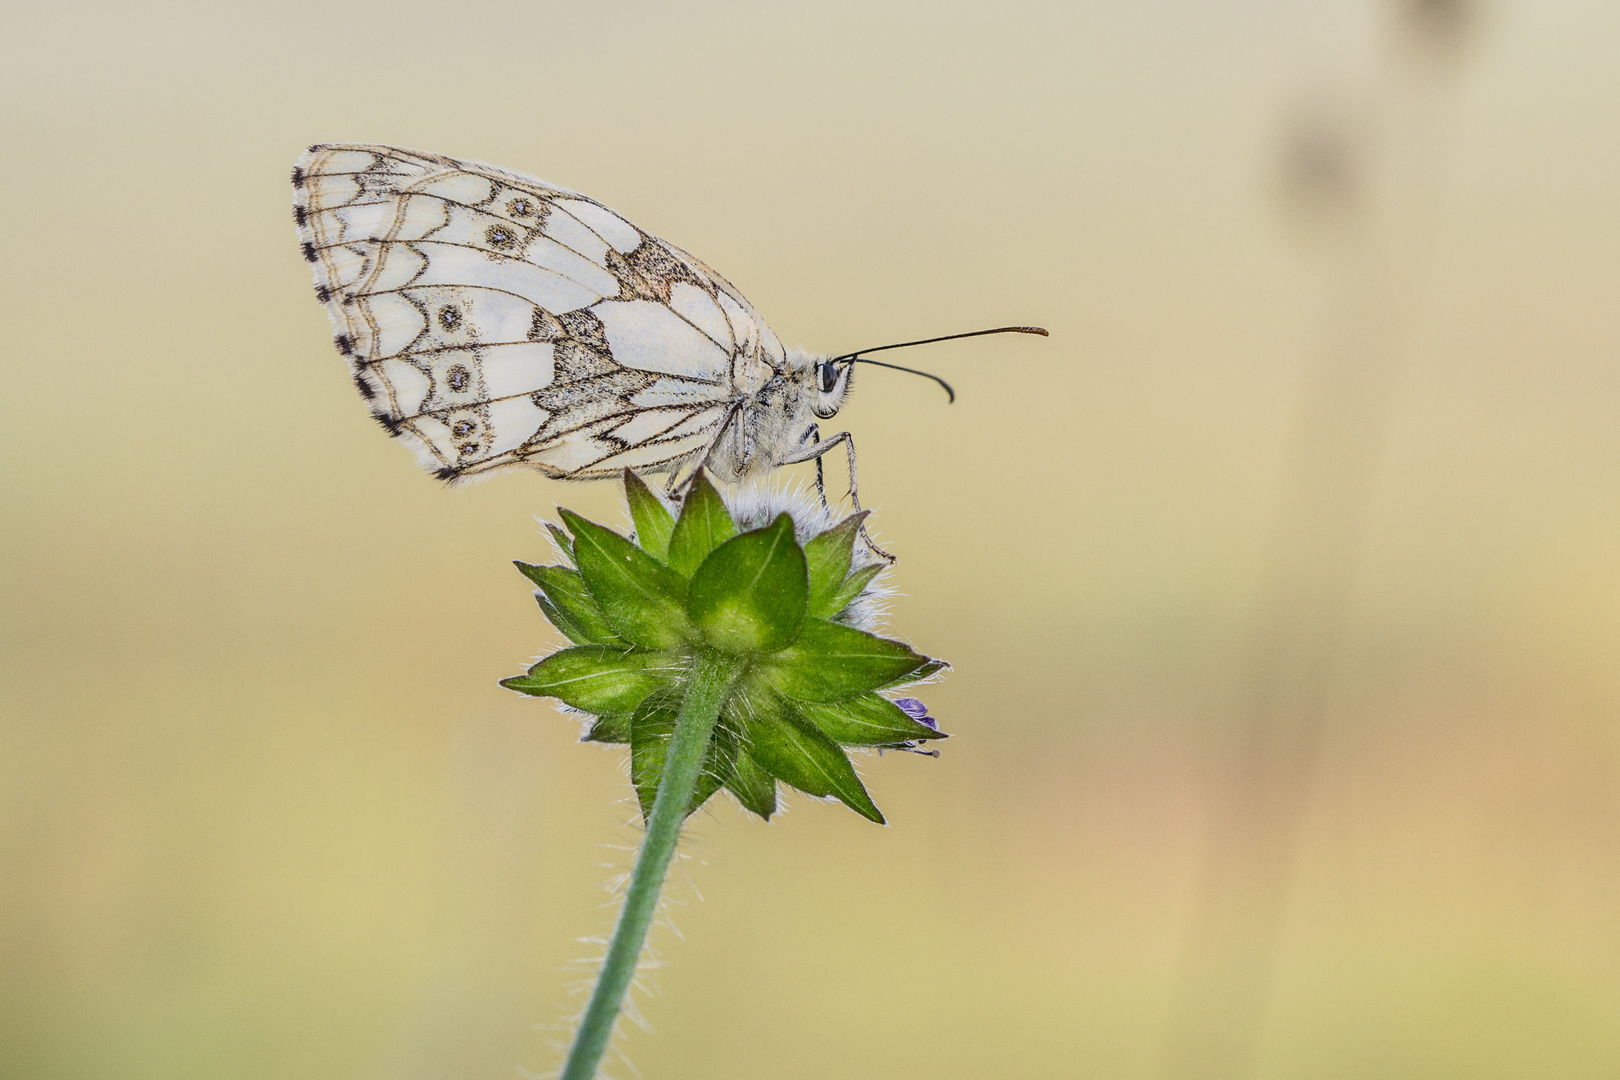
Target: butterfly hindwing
(493, 319)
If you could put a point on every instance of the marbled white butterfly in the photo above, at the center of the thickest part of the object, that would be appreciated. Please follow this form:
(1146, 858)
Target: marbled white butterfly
(494, 320)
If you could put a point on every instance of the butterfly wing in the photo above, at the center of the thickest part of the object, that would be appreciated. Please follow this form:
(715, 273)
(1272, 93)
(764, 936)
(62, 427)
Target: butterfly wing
(493, 320)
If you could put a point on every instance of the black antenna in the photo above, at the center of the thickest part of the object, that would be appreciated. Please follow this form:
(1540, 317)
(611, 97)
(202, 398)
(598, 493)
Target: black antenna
(897, 367)
(856, 357)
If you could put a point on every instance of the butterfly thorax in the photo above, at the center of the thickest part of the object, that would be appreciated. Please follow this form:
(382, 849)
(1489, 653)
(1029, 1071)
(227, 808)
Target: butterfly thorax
(775, 415)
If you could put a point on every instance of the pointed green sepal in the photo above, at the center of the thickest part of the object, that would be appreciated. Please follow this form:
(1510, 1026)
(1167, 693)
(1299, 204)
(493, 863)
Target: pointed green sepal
(867, 720)
(704, 525)
(852, 587)
(569, 605)
(644, 600)
(802, 757)
(652, 725)
(828, 556)
(933, 667)
(563, 623)
(564, 542)
(753, 787)
(832, 662)
(597, 678)
(749, 594)
(654, 522)
(609, 728)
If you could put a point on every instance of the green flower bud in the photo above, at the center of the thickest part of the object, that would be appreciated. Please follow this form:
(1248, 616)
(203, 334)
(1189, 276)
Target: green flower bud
(769, 592)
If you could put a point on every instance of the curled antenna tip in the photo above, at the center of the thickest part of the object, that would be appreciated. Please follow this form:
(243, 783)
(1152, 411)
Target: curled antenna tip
(911, 371)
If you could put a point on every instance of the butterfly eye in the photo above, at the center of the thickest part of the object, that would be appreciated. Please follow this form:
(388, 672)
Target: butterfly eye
(829, 378)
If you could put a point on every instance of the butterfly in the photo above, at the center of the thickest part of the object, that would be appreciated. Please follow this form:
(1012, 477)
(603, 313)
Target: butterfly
(493, 320)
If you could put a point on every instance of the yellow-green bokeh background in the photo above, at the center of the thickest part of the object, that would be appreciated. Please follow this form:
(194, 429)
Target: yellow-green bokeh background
(265, 814)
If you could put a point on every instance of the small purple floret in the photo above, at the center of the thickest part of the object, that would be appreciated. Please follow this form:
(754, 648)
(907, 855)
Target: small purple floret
(917, 711)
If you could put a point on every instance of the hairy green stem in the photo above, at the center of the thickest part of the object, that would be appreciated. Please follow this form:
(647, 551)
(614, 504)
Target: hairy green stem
(706, 692)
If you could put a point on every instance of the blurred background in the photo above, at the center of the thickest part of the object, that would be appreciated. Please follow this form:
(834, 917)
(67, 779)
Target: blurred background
(1282, 582)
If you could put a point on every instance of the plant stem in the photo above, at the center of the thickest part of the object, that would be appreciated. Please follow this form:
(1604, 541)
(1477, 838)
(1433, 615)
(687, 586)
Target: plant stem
(706, 692)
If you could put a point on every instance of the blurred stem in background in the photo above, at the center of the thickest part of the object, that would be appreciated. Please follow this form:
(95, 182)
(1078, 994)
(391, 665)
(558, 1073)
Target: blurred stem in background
(1381, 187)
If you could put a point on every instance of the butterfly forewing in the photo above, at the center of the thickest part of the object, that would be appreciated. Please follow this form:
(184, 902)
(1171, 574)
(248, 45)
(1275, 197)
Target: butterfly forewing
(494, 319)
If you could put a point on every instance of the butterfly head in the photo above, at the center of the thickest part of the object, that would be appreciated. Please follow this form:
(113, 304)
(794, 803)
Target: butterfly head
(831, 380)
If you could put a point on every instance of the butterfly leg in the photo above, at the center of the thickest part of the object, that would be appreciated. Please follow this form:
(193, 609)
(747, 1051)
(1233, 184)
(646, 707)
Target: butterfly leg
(814, 452)
(813, 435)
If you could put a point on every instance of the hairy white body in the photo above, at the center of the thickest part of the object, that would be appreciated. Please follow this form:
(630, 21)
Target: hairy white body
(497, 321)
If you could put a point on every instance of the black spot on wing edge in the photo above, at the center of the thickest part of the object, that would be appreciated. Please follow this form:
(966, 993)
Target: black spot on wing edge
(322, 293)
(364, 387)
(298, 175)
(447, 473)
(301, 216)
(309, 252)
(389, 424)
(344, 345)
